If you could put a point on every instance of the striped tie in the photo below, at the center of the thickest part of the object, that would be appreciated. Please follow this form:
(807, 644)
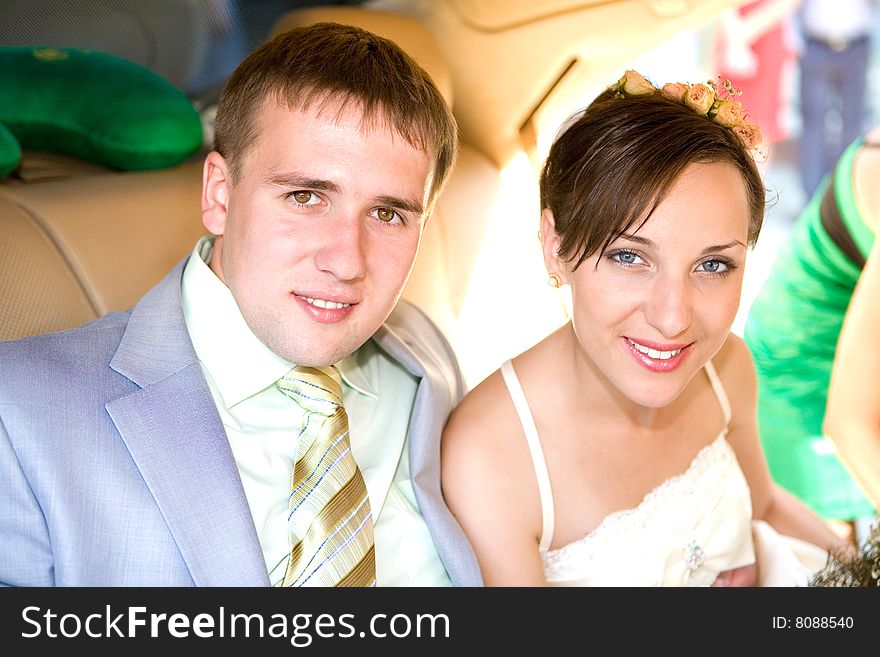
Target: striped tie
(331, 526)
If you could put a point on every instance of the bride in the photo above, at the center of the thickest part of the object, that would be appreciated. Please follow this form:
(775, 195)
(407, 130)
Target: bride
(623, 449)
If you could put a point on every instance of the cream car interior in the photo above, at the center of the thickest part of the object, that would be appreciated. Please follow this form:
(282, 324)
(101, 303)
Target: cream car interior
(78, 240)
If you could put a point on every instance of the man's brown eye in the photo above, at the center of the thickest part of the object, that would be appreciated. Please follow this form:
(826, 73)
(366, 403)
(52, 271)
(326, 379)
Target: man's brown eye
(385, 214)
(302, 197)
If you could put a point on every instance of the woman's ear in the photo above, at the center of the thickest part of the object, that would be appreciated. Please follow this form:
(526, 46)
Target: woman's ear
(215, 193)
(550, 244)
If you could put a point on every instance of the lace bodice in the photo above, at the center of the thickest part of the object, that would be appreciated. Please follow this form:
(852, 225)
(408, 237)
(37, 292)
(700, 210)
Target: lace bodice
(683, 533)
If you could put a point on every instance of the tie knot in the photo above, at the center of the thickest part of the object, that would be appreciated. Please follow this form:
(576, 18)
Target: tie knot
(313, 388)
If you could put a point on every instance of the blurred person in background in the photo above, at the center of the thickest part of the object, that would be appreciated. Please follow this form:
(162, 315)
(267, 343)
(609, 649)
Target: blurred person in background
(755, 50)
(852, 417)
(835, 52)
(792, 329)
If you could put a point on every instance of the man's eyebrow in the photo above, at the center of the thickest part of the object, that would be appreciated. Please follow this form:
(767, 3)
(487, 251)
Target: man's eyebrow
(302, 182)
(408, 205)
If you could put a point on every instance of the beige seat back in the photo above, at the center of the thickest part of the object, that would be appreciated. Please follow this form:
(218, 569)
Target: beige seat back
(89, 241)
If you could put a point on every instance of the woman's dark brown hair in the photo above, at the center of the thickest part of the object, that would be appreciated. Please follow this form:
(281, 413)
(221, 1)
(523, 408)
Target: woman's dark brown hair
(617, 162)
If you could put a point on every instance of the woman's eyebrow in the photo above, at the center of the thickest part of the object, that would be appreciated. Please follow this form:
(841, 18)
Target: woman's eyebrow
(721, 247)
(709, 249)
(639, 239)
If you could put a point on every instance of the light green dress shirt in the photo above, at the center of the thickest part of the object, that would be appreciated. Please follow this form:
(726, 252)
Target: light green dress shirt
(261, 424)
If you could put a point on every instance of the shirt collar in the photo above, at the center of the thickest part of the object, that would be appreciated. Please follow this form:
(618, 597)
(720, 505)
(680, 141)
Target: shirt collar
(360, 371)
(238, 362)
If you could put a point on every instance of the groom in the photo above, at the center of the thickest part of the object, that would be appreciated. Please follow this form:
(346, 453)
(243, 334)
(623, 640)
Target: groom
(164, 446)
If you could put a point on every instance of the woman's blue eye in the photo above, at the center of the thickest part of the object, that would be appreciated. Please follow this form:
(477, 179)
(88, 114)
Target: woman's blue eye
(714, 266)
(625, 257)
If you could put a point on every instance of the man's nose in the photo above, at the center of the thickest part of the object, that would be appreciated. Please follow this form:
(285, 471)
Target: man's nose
(343, 250)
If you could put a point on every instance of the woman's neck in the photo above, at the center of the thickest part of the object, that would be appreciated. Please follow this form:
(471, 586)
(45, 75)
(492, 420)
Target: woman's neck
(592, 391)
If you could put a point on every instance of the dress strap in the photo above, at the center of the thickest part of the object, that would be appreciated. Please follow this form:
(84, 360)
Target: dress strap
(720, 393)
(832, 222)
(534, 441)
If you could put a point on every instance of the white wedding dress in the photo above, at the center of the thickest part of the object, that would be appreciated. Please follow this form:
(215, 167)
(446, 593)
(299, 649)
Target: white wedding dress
(684, 532)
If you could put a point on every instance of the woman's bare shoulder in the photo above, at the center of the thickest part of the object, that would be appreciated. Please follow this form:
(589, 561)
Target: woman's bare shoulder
(485, 428)
(483, 415)
(484, 461)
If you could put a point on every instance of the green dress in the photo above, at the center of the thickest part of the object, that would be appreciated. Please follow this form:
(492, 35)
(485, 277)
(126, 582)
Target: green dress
(792, 332)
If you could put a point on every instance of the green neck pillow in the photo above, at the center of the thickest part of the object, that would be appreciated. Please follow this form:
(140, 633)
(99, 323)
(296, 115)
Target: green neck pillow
(10, 151)
(94, 106)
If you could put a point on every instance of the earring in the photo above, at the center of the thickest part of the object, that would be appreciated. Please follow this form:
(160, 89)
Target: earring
(554, 280)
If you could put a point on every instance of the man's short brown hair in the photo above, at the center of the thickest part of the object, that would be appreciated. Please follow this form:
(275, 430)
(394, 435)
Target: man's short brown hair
(328, 62)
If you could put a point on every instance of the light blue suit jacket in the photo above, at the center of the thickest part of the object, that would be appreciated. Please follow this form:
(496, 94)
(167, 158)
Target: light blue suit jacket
(115, 469)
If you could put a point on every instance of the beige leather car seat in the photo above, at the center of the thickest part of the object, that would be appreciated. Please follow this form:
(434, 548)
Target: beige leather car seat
(78, 240)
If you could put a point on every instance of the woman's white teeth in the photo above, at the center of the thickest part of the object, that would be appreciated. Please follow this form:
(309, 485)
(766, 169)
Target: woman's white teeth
(332, 305)
(654, 353)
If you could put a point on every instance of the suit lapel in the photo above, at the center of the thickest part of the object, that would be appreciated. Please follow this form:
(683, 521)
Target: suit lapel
(174, 434)
(438, 391)
(433, 399)
(440, 388)
(385, 449)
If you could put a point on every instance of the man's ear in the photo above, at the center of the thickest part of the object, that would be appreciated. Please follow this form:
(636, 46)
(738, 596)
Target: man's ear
(550, 245)
(216, 185)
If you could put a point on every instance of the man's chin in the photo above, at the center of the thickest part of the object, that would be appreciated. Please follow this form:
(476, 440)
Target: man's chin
(306, 343)
(320, 355)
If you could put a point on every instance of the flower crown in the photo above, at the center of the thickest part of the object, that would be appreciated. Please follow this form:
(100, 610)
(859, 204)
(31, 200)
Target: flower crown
(705, 99)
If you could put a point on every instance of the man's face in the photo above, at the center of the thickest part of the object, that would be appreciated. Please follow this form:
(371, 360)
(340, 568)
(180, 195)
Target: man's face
(318, 233)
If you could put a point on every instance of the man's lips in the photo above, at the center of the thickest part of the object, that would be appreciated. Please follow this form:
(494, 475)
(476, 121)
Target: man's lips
(325, 308)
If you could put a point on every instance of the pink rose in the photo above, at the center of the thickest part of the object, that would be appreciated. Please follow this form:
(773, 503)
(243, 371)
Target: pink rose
(675, 90)
(749, 133)
(728, 113)
(699, 98)
(633, 83)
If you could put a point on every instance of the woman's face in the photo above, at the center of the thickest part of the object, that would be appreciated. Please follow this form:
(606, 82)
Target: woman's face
(652, 309)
